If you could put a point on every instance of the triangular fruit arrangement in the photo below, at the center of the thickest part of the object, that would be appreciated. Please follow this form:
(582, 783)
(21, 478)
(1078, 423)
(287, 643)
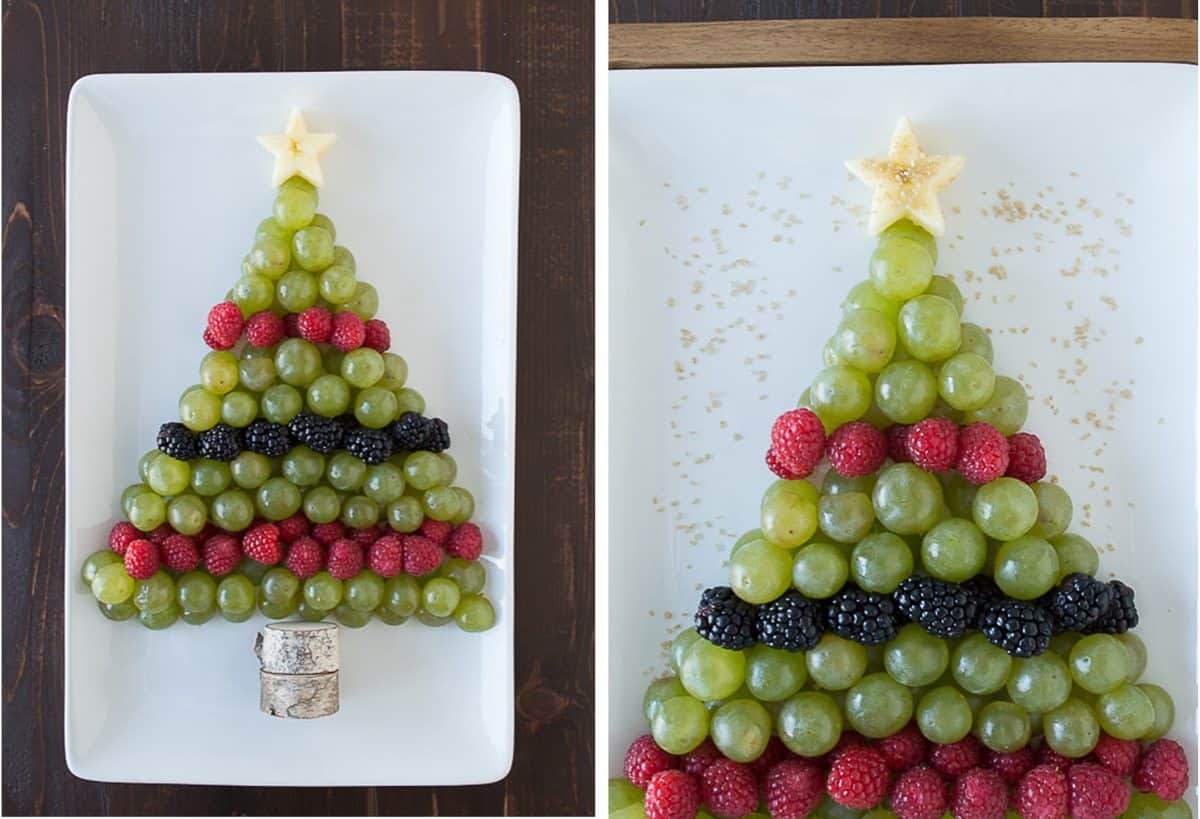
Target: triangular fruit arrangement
(302, 476)
(915, 634)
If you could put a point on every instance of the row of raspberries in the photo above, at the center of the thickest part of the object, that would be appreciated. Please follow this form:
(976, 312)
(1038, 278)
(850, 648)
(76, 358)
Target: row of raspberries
(302, 548)
(345, 330)
(917, 780)
(979, 451)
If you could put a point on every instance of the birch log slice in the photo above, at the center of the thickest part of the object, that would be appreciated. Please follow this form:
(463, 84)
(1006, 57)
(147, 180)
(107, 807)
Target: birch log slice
(299, 696)
(298, 648)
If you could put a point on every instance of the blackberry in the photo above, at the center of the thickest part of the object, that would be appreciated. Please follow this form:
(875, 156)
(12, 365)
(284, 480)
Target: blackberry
(791, 623)
(177, 441)
(1122, 614)
(439, 436)
(410, 431)
(266, 438)
(943, 609)
(371, 446)
(983, 591)
(864, 617)
(1021, 629)
(1079, 601)
(221, 443)
(319, 434)
(725, 620)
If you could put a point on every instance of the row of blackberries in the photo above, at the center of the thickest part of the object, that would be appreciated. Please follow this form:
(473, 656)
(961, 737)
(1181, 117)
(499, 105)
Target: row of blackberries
(794, 622)
(411, 432)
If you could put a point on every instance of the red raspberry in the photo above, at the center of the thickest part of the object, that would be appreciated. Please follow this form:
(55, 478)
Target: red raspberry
(141, 559)
(225, 325)
(1026, 458)
(856, 449)
(179, 553)
(904, 749)
(291, 325)
(697, 760)
(345, 559)
(1043, 794)
(728, 789)
(466, 541)
(365, 537)
(159, 534)
(1118, 755)
(1096, 792)
(979, 794)
(421, 555)
(293, 528)
(932, 444)
(315, 324)
(327, 533)
(858, 778)
(122, 535)
(798, 439)
(982, 453)
(773, 753)
(436, 530)
(222, 553)
(955, 759)
(1163, 770)
(1013, 765)
(385, 556)
(304, 557)
(376, 336)
(779, 469)
(848, 739)
(920, 793)
(348, 331)
(264, 329)
(897, 443)
(672, 795)
(1048, 756)
(204, 534)
(643, 759)
(794, 788)
(261, 543)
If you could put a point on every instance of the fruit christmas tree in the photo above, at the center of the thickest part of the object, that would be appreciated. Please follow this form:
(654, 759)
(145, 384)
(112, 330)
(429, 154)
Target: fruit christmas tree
(302, 477)
(920, 636)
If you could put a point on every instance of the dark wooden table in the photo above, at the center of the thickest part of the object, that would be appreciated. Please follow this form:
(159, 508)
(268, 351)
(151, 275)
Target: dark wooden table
(546, 47)
(675, 11)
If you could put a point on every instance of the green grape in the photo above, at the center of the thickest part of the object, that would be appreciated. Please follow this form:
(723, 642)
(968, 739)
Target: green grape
(147, 511)
(329, 396)
(423, 470)
(440, 596)
(1164, 711)
(789, 513)
(1071, 729)
(440, 503)
(342, 256)
(846, 517)
(297, 362)
(840, 394)
(239, 408)
(1099, 663)
(401, 595)
(905, 229)
(901, 268)
(307, 612)
(362, 367)
(835, 664)
(375, 407)
(1054, 510)
(680, 725)
(322, 505)
(297, 290)
(312, 248)
(302, 466)
(474, 613)
(219, 372)
(325, 223)
(111, 585)
(133, 490)
(1040, 683)
(760, 572)
(929, 328)
(954, 550)
(187, 514)
(168, 476)
(469, 575)
(1026, 568)
(405, 514)
(966, 381)
(907, 499)
(395, 368)
(250, 470)
(906, 391)
(96, 561)
(810, 724)
(365, 301)
(975, 340)
(235, 596)
(864, 296)
(947, 289)
(1136, 650)
(959, 494)
(360, 512)
(279, 585)
(384, 483)
(281, 403)
(835, 484)
(156, 620)
(276, 609)
(323, 592)
(621, 794)
(232, 510)
(345, 472)
(269, 227)
(944, 715)
(978, 666)
(1003, 726)
(1006, 410)
(253, 294)
(337, 284)
(196, 592)
(741, 729)
(865, 339)
(409, 400)
(385, 616)
(364, 592)
(119, 612)
(1126, 712)
(199, 409)
(829, 355)
(277, 499)
(450, 464)
(1152, 806)
(879, 562)
(269, 257)
(877, 706)
(253, 570)
(294, 206)
(915, 658)
(257, 372)
(1075, 554)
(1005, 508)
(773, 675)
(351, 618)
(710, 672)
(679, 647)
(143, 467)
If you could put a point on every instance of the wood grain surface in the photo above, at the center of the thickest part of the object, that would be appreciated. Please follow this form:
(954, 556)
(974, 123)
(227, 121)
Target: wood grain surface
(546, 47)
(696, 11)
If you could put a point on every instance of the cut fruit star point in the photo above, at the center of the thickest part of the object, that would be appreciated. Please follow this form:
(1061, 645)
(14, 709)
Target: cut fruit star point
(297, 150)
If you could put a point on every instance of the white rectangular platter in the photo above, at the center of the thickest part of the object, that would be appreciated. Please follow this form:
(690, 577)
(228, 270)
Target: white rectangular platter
(165, 185)
(736, 233)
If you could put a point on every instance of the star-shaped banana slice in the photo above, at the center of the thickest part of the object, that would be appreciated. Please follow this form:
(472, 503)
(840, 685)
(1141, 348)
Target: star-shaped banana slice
(296, 150)
(906, 183)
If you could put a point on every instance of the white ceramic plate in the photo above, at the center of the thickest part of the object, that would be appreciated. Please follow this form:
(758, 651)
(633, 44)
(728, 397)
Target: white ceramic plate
(165, 185)
(736, 233)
